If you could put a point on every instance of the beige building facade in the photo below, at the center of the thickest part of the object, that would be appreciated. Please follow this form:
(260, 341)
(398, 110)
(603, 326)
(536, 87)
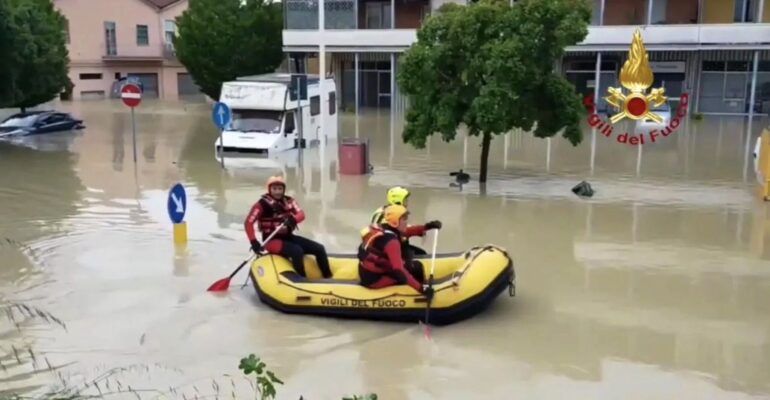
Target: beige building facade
(111, 40)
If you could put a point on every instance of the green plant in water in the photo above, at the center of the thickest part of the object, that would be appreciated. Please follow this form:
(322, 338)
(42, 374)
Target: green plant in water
(370, 396)
(697, 116)
(264, 378)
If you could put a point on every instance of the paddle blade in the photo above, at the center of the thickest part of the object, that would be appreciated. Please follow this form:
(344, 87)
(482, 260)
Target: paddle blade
(220, 285)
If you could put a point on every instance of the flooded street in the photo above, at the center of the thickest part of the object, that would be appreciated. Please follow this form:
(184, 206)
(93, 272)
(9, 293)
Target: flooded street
(658, 287)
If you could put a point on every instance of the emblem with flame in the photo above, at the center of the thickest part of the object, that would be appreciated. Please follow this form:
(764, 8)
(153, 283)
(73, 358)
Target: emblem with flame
(636, 76)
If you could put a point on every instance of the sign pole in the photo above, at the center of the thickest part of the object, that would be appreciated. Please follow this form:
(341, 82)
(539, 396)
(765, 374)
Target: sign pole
(131, 95)
(222, 115)
(221, 150)
(133, 129)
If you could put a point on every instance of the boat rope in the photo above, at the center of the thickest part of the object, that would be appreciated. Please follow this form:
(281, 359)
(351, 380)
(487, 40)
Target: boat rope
(476, 251)
(331, 293)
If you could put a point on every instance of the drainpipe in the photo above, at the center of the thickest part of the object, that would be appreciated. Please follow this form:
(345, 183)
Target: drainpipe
(761, 11)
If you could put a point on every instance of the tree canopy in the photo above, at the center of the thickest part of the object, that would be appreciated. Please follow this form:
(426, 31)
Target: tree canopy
(490, 67)
(35, 61)
(220, 40)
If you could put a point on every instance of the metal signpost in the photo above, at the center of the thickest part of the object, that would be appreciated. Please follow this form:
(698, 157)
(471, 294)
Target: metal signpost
(132, 97)
(177, 207)
(222, 116)
(298, 92)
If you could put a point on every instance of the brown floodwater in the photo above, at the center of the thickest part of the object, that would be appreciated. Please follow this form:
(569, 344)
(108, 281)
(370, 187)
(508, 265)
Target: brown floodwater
(658, 287)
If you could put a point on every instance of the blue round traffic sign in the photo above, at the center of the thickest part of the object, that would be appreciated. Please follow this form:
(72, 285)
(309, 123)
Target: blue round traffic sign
(177, 203)
(221, 115)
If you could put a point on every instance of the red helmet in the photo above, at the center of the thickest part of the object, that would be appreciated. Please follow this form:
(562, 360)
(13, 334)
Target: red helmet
(275, 180)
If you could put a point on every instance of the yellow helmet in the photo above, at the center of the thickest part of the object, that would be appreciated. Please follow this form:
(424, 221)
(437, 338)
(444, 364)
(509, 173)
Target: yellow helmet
(397, 195)
(393, 215)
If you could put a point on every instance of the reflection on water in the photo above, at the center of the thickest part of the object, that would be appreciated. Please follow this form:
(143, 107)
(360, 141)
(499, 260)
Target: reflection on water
(657, 287)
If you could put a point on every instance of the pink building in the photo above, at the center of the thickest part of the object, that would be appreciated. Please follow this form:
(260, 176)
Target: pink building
(113, 39)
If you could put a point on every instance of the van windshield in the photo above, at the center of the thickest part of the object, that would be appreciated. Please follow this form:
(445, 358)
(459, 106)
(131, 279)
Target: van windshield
(265, 121)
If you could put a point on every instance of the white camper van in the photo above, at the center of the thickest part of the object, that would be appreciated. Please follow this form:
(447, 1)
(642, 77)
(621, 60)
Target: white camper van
(265, 119)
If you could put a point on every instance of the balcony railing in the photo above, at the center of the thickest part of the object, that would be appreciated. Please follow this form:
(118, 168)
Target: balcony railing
(169, 52)
(129, 50)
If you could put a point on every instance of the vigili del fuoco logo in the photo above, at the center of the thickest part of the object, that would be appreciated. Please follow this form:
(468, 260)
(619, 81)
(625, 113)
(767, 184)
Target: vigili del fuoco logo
(636, 76)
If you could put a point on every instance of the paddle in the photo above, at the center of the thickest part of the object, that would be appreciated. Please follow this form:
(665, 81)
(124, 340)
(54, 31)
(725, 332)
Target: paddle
(430, 284)
(224, 283)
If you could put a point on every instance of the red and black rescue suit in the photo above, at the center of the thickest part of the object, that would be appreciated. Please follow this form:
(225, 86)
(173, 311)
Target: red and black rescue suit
(269, 213)
(384, 261)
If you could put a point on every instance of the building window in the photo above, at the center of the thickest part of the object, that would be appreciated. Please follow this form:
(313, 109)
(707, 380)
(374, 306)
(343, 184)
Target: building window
(315, 105)
(169, 33)
(378, 15)
(110, 38)
(332, 103)
(744, 10)
(67, 30)
(87, 77)
(142, 35)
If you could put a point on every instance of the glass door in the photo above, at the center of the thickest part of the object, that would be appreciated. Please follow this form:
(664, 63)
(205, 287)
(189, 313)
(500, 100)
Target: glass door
(383, 92)
(110, 39)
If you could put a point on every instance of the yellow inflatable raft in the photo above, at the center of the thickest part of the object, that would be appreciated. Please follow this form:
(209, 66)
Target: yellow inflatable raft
(464, 283)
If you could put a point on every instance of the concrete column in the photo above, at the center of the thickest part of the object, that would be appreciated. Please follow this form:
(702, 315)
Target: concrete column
(392, 81)
(322, 71)
(356, 72)
(321, 15)
(601, 13)
(700, 11)
(324, 98)
(392, 14)
(752, 97)
(749, 126)
(597, 86)
(649, 12)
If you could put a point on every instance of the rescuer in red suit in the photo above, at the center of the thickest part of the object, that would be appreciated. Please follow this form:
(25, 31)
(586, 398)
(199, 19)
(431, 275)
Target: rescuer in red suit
(274, 208)
(381, 264)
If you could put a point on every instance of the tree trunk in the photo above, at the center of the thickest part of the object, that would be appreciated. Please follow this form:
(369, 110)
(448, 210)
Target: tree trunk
(485, 142)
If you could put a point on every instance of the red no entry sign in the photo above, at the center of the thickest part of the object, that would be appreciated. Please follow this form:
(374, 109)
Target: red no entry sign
(131, 95)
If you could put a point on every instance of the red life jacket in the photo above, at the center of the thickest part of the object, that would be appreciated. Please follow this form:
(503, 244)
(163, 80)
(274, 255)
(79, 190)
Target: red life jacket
(273, 213)
(371, 252)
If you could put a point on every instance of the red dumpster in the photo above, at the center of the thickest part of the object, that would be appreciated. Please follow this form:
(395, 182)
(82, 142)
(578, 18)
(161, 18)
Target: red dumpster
(354, 157)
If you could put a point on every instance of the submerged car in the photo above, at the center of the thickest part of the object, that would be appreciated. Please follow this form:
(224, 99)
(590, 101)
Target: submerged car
(38, 122)
(664, 111)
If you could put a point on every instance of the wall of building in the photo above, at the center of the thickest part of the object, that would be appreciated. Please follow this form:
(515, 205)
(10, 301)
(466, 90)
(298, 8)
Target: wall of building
(87, 45)
(86, 26)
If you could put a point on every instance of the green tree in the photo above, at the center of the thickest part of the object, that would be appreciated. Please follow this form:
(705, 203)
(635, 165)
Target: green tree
(220, 40)
(41, 60)
(7, 71)
(489, 66)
